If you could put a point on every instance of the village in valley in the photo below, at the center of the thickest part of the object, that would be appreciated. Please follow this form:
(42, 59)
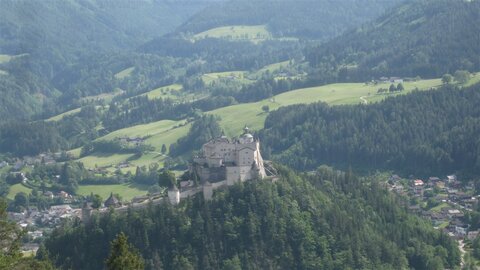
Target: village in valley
(449, 203)
(223, 163)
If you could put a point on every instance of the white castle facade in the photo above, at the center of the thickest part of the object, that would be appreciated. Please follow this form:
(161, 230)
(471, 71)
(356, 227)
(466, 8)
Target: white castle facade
(234, 160)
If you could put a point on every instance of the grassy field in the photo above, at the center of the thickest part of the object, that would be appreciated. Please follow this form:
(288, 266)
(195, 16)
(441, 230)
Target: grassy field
(67, 113)
(158, 133)
(235, 117)
(167, 137)
(60, 116)
(273, 67)
(444, 225)
(237, 32)
(238, 76)
(17, 188)
(168, 91)
(145, 130)
(474, 79)
(75, 152)
(5, 58)
(439, 207)
(124, 73)
(107, 97)
(103, 160)
(126, 191)
(5, 169)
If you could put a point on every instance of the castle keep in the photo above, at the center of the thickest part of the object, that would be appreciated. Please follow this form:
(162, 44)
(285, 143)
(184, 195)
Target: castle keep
(222, 159)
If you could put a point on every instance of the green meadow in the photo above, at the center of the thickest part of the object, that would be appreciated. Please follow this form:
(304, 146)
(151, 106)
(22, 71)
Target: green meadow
(156, 134)
(5, 58)
(17, 188)
(238, 76)
(124, 73)
(235, 117)
(60, 116)
(170, 91)
(273, 67)
(107, 97)
(126, 191)
(237, 32)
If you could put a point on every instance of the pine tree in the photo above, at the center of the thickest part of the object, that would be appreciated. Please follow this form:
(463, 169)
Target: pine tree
(164, 149)
(123, 256)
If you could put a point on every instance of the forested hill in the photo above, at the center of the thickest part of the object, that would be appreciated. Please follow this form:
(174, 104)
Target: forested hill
(329, 220)
(419, 38)
(307, 19)
(77, 25)
(423, 133)
(52, 48)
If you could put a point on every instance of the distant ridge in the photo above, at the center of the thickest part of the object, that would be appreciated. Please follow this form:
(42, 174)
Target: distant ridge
(424, 38)
(306, 19)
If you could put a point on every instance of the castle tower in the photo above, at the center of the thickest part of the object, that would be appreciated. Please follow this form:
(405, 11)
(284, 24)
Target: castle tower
(246, 136)
(207, 191)
(174, 195)
(86, 212)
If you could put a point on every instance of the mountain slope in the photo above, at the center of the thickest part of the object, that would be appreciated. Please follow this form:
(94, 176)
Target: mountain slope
(308, 19)
(423, 133)
(27, 26)
(65, 46)
(425, 38)
(329, 220)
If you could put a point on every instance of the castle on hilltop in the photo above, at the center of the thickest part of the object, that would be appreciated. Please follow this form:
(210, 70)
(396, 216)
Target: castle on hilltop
(234, 160)
(222, 163)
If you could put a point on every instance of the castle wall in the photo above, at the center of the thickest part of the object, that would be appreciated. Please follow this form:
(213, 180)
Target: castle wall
(190, 192)
(222, 149)
(174, 196)
(211, 174)
(233, 175)
(214, 162)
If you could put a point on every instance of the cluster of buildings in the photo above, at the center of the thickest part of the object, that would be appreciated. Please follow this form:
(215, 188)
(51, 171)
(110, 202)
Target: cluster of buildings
(443, 201)
(45, 218)
(391, 80)
(134, 141)
(228, 160)
(44, 158)
(62, 196)
(224, 162)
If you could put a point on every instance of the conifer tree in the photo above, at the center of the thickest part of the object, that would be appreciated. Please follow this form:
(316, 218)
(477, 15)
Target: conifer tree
(123, 256)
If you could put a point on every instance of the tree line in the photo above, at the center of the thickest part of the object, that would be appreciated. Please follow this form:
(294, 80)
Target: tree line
(424, 133)
(418, 38)
(328, 220)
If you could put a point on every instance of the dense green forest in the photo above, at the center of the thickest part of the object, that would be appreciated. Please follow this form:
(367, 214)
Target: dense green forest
(32, 138)
(203, 130)
(32, 26)
(417, 38)
(305, 19)
(423, 133)
(46, 51)
(130, 90)
(328, 220)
